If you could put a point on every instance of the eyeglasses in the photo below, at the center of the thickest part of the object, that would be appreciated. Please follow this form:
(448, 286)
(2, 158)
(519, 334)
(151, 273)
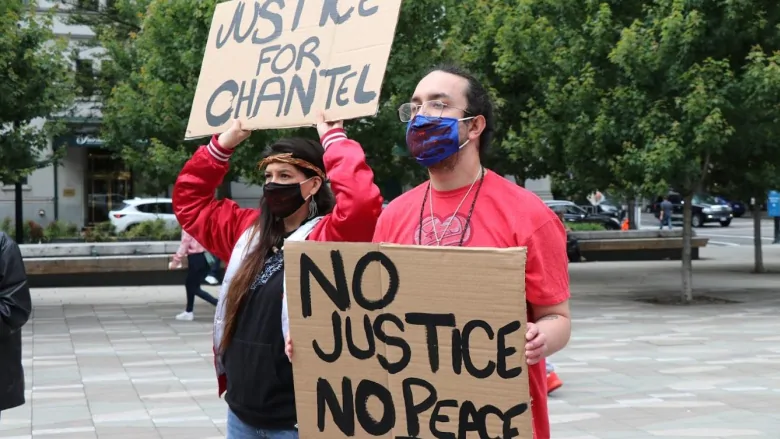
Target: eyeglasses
(434, 109)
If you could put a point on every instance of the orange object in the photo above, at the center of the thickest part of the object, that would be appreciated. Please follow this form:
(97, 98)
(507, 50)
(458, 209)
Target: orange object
(624, 226)
(553, 382)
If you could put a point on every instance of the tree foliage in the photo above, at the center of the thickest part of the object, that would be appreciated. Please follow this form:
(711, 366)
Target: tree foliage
(643, 96)
(36, 81)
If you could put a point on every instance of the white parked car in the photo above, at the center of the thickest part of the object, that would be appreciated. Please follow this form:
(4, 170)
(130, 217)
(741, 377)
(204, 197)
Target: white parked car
(137, 210)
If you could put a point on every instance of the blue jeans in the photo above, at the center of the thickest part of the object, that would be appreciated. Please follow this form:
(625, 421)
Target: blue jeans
(666, 221)
(236, 429)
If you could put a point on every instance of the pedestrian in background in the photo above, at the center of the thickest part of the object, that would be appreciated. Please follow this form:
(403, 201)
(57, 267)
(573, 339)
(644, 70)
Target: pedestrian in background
(15, 308)
(214, 269)
(197, 269)
(665, 215)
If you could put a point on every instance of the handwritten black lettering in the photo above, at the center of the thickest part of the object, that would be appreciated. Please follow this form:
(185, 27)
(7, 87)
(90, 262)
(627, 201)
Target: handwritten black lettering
(343, 415)
(357, 281)
(466, 349)
(504, 351)
(437, 417)
(414, 410)
(338, 293)
(354, 350)
(215, 120)
(366, 389)
(261, 11)
(431, 323)
(275, 68)
(406, 351)
(342, 101)
(330, 9)
(337, 343)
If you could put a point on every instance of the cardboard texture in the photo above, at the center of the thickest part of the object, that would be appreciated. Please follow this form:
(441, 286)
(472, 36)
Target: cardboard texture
(276, 64)
(475, 296)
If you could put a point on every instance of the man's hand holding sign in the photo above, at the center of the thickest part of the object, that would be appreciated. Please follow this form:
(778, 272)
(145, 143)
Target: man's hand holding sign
(278, 63)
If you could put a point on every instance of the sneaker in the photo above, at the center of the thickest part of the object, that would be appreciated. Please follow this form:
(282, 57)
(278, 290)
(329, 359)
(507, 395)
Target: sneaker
(212, 280)
(553, 382)
(186, 316)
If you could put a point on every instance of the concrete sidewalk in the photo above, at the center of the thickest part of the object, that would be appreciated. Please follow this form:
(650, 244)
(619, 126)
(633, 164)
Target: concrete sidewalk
(113, 363)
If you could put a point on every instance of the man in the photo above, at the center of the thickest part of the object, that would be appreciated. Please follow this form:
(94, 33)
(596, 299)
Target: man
(450, 126)
(14, 311)
(666, 213)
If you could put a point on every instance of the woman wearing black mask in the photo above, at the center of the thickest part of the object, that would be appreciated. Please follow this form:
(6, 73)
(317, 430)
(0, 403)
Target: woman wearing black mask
(297, 204)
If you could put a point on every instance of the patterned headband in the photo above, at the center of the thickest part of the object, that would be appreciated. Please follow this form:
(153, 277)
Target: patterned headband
(289, 159)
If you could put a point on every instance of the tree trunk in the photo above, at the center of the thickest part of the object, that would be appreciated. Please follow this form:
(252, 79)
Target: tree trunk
(687, 267)
(19, 214)
(520, 179)
(632, 214)
(758, 254)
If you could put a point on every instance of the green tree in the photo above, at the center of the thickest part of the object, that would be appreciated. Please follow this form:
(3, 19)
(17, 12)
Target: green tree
(36, 82)
(636, 95)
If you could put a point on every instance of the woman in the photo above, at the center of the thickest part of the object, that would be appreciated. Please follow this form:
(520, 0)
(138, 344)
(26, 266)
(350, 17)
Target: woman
(197, 268)
(297, 203)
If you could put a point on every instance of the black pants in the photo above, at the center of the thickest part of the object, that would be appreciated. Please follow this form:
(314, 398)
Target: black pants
(197, 269)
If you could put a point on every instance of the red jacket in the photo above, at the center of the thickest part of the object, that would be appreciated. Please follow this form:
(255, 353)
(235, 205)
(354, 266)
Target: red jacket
(218, 224)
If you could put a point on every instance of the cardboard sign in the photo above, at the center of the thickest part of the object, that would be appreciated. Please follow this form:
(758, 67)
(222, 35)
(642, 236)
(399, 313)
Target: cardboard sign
(408, 342)
(276, 63)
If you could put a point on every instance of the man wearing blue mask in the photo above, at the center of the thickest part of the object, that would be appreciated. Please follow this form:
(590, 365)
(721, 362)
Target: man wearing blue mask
(449, 128)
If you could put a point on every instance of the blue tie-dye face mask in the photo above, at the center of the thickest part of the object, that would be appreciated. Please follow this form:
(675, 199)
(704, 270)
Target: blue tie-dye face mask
(431, 140)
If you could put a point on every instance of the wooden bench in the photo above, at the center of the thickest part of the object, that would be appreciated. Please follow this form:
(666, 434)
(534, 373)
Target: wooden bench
(635, 245)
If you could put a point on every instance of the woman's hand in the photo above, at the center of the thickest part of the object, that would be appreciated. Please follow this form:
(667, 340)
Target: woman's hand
(323, 127)
(288, 348)
(233, 136)
(175, 263)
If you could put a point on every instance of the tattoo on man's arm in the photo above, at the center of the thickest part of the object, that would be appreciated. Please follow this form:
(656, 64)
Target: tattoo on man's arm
(550, 317)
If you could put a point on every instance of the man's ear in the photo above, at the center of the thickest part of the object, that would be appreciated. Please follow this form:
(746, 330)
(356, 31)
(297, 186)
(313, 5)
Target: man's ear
(476, 127)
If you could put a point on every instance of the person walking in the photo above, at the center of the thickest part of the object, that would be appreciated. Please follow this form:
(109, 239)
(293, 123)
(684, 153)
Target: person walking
(214, 269)
(665, 214)
(197, 269)
(15, 309)
(297, 204)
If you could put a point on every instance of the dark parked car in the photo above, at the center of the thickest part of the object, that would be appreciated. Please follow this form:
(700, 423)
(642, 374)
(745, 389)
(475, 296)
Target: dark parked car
(738, 208)
(705, 209)
(576, 214)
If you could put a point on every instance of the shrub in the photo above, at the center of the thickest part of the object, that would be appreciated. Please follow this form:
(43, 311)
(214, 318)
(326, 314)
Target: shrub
(585, 227)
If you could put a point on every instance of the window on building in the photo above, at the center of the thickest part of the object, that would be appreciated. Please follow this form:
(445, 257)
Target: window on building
(85, 76)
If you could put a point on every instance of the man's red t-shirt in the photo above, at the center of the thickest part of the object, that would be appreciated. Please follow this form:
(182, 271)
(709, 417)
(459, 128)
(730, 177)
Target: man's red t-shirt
(505, 215)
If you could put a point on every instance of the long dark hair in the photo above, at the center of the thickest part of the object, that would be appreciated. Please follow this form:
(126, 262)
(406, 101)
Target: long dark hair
(271, 229)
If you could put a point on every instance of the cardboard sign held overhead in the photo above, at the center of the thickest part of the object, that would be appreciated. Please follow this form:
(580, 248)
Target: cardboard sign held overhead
(408, 342)
(276, 63)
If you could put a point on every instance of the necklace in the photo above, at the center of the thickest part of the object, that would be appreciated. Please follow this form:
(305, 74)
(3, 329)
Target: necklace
(428, 193)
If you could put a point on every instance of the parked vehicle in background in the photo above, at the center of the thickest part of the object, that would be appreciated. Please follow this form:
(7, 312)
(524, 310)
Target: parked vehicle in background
(603, 206)
(705, 209)
(576, 214)
(137, 210)
(738, 208)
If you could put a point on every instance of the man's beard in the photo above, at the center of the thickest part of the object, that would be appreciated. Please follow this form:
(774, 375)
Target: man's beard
(448, 164)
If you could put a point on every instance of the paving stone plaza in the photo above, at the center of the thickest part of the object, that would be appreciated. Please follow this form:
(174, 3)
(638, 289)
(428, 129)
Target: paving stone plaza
(113, 363)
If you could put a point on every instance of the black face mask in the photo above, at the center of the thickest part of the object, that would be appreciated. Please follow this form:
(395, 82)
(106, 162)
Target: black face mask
(283, 199)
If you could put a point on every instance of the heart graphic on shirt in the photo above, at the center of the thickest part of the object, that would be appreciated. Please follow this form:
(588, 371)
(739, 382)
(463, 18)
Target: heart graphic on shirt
(449, 237)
